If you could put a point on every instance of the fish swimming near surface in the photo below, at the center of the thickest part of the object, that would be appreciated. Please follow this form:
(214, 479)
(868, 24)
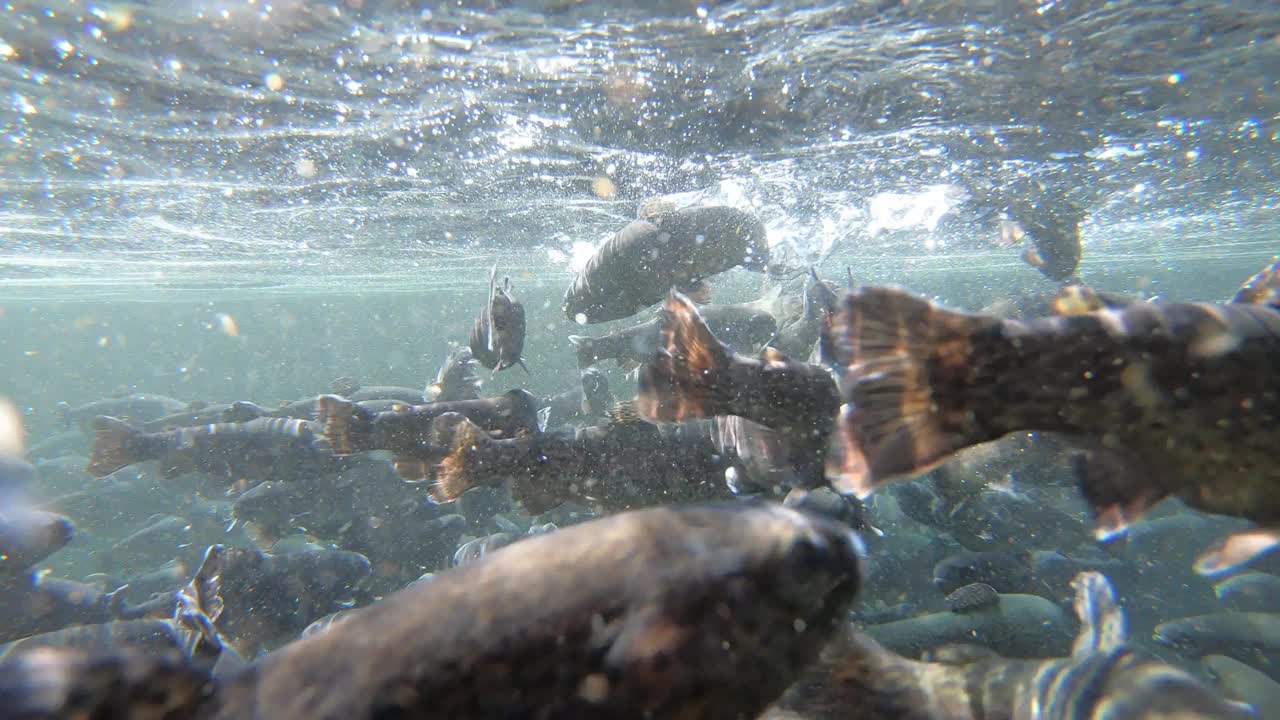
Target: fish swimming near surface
(669, 248)
(1103, 677)
(694, 375)
(1176, 399)
(1048, 228)
(497, 338)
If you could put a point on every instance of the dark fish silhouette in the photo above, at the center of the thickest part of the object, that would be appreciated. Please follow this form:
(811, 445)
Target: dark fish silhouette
(694, 375)
(591, 398)
(1048, 228)
(668, 249)
(623, 464)
(350, 428)
(1178, 399)
(497, 338)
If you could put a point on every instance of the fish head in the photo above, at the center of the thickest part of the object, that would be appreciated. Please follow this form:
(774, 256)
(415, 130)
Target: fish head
(1180, 634)
(349, 569)
(800, 564)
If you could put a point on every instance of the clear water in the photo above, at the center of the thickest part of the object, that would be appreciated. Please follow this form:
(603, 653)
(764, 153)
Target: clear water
(336, 178)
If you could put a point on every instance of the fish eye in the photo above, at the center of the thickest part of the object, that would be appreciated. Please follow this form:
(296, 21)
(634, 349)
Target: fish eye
(809, 551)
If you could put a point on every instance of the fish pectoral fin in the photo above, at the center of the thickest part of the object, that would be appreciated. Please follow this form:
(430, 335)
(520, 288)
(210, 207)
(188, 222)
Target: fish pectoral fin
(1237, 549)
(1032, 258)
(1117, 494)
(1011, 233)
(644, 645)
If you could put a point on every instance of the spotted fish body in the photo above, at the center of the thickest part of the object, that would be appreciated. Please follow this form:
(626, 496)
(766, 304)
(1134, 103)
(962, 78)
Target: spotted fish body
(673, 248)
(1175, 399)
(679, 612)
(623, 464)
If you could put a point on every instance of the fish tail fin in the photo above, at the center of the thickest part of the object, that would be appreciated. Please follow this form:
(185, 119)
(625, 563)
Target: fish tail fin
(904, 361)
(458, 471)
(1101, 619)
(62, 411)
(680, 380)
(200, 604)
(114, 444)
(347, 426)
(585, 348)
(1117, 493)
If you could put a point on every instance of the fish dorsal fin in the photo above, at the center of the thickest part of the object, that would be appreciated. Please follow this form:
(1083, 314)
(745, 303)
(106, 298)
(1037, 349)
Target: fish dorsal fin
(1261, 289)
(848, 276)
(488, 308)
(1101, 619)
